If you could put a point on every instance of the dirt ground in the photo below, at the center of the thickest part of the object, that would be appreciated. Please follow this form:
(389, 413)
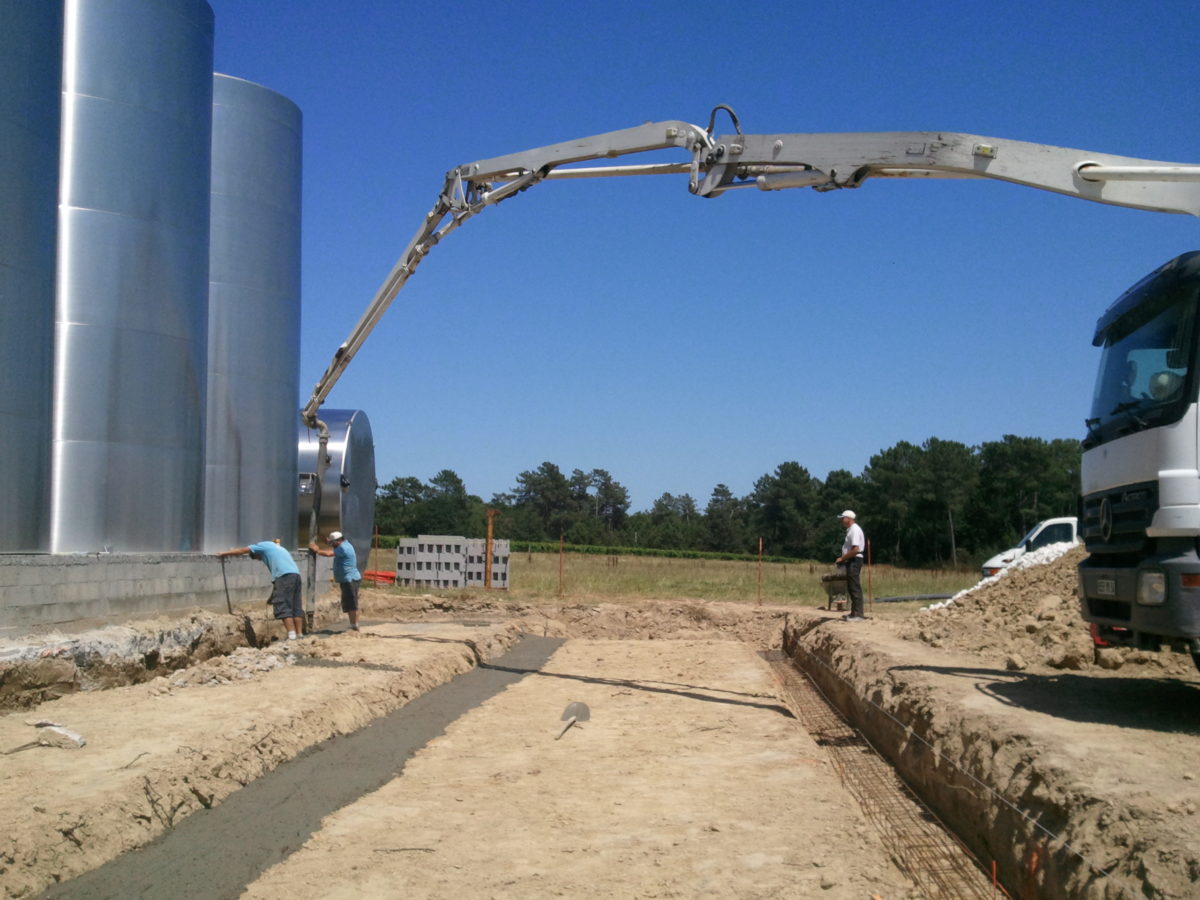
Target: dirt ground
(690, 778)
(677, 786)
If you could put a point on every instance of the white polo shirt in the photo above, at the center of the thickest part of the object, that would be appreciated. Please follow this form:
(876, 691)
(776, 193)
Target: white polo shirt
(854, 538)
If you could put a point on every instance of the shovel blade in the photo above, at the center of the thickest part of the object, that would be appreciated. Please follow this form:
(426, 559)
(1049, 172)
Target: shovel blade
(577, 711)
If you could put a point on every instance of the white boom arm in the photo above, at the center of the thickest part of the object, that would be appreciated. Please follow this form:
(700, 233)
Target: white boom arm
(772, 162)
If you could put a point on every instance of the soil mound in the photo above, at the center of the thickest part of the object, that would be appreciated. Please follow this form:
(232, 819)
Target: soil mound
(1028, 619)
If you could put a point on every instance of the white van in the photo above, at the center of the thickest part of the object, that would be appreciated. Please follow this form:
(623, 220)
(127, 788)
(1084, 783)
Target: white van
(1049, 531)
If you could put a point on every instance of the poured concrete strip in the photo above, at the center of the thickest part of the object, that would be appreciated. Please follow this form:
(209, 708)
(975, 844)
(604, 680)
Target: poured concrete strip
(217, 852)
(160, 751)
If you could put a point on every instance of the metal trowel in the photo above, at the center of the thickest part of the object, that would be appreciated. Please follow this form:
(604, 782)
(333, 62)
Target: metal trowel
(575, 712)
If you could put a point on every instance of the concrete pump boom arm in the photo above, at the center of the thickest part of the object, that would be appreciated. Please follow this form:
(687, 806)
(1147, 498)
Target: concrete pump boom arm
(472, 188)
(823, 162)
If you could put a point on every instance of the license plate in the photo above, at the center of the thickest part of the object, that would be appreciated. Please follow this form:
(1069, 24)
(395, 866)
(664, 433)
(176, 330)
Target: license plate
(1106, 587)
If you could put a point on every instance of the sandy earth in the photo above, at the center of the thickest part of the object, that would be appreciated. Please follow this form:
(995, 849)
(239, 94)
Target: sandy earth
(1077, 784)
(690, 779)
(159, 751)
(1029, 620)
(687, 781)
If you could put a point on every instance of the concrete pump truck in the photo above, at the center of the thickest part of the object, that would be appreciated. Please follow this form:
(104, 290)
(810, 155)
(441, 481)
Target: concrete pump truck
(1140, 585)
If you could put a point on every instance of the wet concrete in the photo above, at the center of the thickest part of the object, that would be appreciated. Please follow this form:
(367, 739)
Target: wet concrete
(215, 853)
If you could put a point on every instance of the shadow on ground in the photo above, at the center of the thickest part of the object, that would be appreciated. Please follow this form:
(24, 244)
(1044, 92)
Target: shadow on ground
(1167, 705)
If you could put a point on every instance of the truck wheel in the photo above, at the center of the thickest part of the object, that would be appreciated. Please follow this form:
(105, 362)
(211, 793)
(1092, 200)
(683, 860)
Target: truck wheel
(1196, 659)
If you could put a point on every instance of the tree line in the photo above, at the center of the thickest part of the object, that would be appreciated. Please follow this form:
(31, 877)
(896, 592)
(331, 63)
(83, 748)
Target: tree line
(939, 503)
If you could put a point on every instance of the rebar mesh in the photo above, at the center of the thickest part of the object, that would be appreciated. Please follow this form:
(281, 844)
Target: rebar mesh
(938, 864)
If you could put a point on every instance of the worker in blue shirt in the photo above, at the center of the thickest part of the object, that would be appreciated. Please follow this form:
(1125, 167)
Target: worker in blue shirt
(285, 599)
(345, 572)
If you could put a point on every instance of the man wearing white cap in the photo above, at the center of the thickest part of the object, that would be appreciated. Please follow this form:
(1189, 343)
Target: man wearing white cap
(345, 572)
(852, 559)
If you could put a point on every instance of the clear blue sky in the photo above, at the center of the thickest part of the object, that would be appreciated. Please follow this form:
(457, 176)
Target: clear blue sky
(680, 342)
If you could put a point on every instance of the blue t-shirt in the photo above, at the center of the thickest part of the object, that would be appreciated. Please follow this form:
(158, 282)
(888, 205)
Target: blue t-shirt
(345, 563)
(275, 558)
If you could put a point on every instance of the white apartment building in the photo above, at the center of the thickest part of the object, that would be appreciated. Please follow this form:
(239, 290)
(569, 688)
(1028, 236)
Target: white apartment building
(449, 561)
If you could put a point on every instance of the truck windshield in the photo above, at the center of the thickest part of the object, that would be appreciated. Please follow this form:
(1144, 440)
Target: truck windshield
(1145, 369)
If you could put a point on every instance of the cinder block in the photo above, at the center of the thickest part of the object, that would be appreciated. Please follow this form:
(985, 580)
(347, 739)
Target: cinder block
(78, 574)
(34, 595)
(10, 574)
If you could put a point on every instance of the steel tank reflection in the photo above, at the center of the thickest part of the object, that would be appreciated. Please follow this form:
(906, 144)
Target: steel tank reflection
(253, 316)
(347, 500)
(132, 331)
(30, 94)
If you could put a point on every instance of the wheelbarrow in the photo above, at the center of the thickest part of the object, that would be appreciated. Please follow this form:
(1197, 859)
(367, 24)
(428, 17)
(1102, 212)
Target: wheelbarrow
(836, 593)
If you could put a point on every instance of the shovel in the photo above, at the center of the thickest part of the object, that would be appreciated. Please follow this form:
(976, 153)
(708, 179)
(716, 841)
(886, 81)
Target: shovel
(247, 625)
(225, 581)
(575, 712)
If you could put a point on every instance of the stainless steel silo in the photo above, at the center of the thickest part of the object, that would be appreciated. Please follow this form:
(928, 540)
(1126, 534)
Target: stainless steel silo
(253, 316)
(30, 94)
(348, 487)
(132, 328)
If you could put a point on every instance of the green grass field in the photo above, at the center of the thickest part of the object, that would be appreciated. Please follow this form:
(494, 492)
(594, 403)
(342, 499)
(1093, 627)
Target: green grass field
(594, 578)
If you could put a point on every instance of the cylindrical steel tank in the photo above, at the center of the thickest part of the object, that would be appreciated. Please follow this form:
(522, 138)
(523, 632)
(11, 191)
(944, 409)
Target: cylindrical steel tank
(132, 324)
(348, 487)
(253, 316)
(30, 95)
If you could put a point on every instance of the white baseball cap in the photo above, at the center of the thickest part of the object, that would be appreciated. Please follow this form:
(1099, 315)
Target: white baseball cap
(847, 514)
(335, 535)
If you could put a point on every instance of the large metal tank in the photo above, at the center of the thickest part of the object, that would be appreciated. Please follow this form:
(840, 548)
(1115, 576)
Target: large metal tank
(30, 94)
(131, 364)
(348, 486)
(253, 316)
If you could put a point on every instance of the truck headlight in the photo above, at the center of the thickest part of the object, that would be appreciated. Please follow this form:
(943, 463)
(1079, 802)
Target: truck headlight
(1152, 589)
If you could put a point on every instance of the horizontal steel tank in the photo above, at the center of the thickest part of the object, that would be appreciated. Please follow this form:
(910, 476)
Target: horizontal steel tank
(30, 95)
(132, 328)
(348, 489)
(253, 316)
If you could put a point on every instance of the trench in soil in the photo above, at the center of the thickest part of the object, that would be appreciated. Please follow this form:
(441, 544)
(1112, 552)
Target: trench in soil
(216, 852)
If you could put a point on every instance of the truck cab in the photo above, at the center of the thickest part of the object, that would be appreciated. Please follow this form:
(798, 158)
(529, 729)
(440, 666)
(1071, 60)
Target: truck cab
(1140, 583)
(1048, 531)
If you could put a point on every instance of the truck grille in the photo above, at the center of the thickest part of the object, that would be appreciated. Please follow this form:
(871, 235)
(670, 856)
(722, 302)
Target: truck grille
(1116, 521)
(1109, 609)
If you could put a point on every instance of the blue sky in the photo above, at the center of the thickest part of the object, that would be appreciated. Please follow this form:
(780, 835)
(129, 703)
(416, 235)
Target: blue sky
(681, 342)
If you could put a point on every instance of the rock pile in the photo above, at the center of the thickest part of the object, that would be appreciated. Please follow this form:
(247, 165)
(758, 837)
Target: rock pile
(243, 664)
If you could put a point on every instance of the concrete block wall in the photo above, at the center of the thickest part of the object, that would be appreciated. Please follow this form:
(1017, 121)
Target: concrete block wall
(42, 589)
(449, 561)
(476, 550)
